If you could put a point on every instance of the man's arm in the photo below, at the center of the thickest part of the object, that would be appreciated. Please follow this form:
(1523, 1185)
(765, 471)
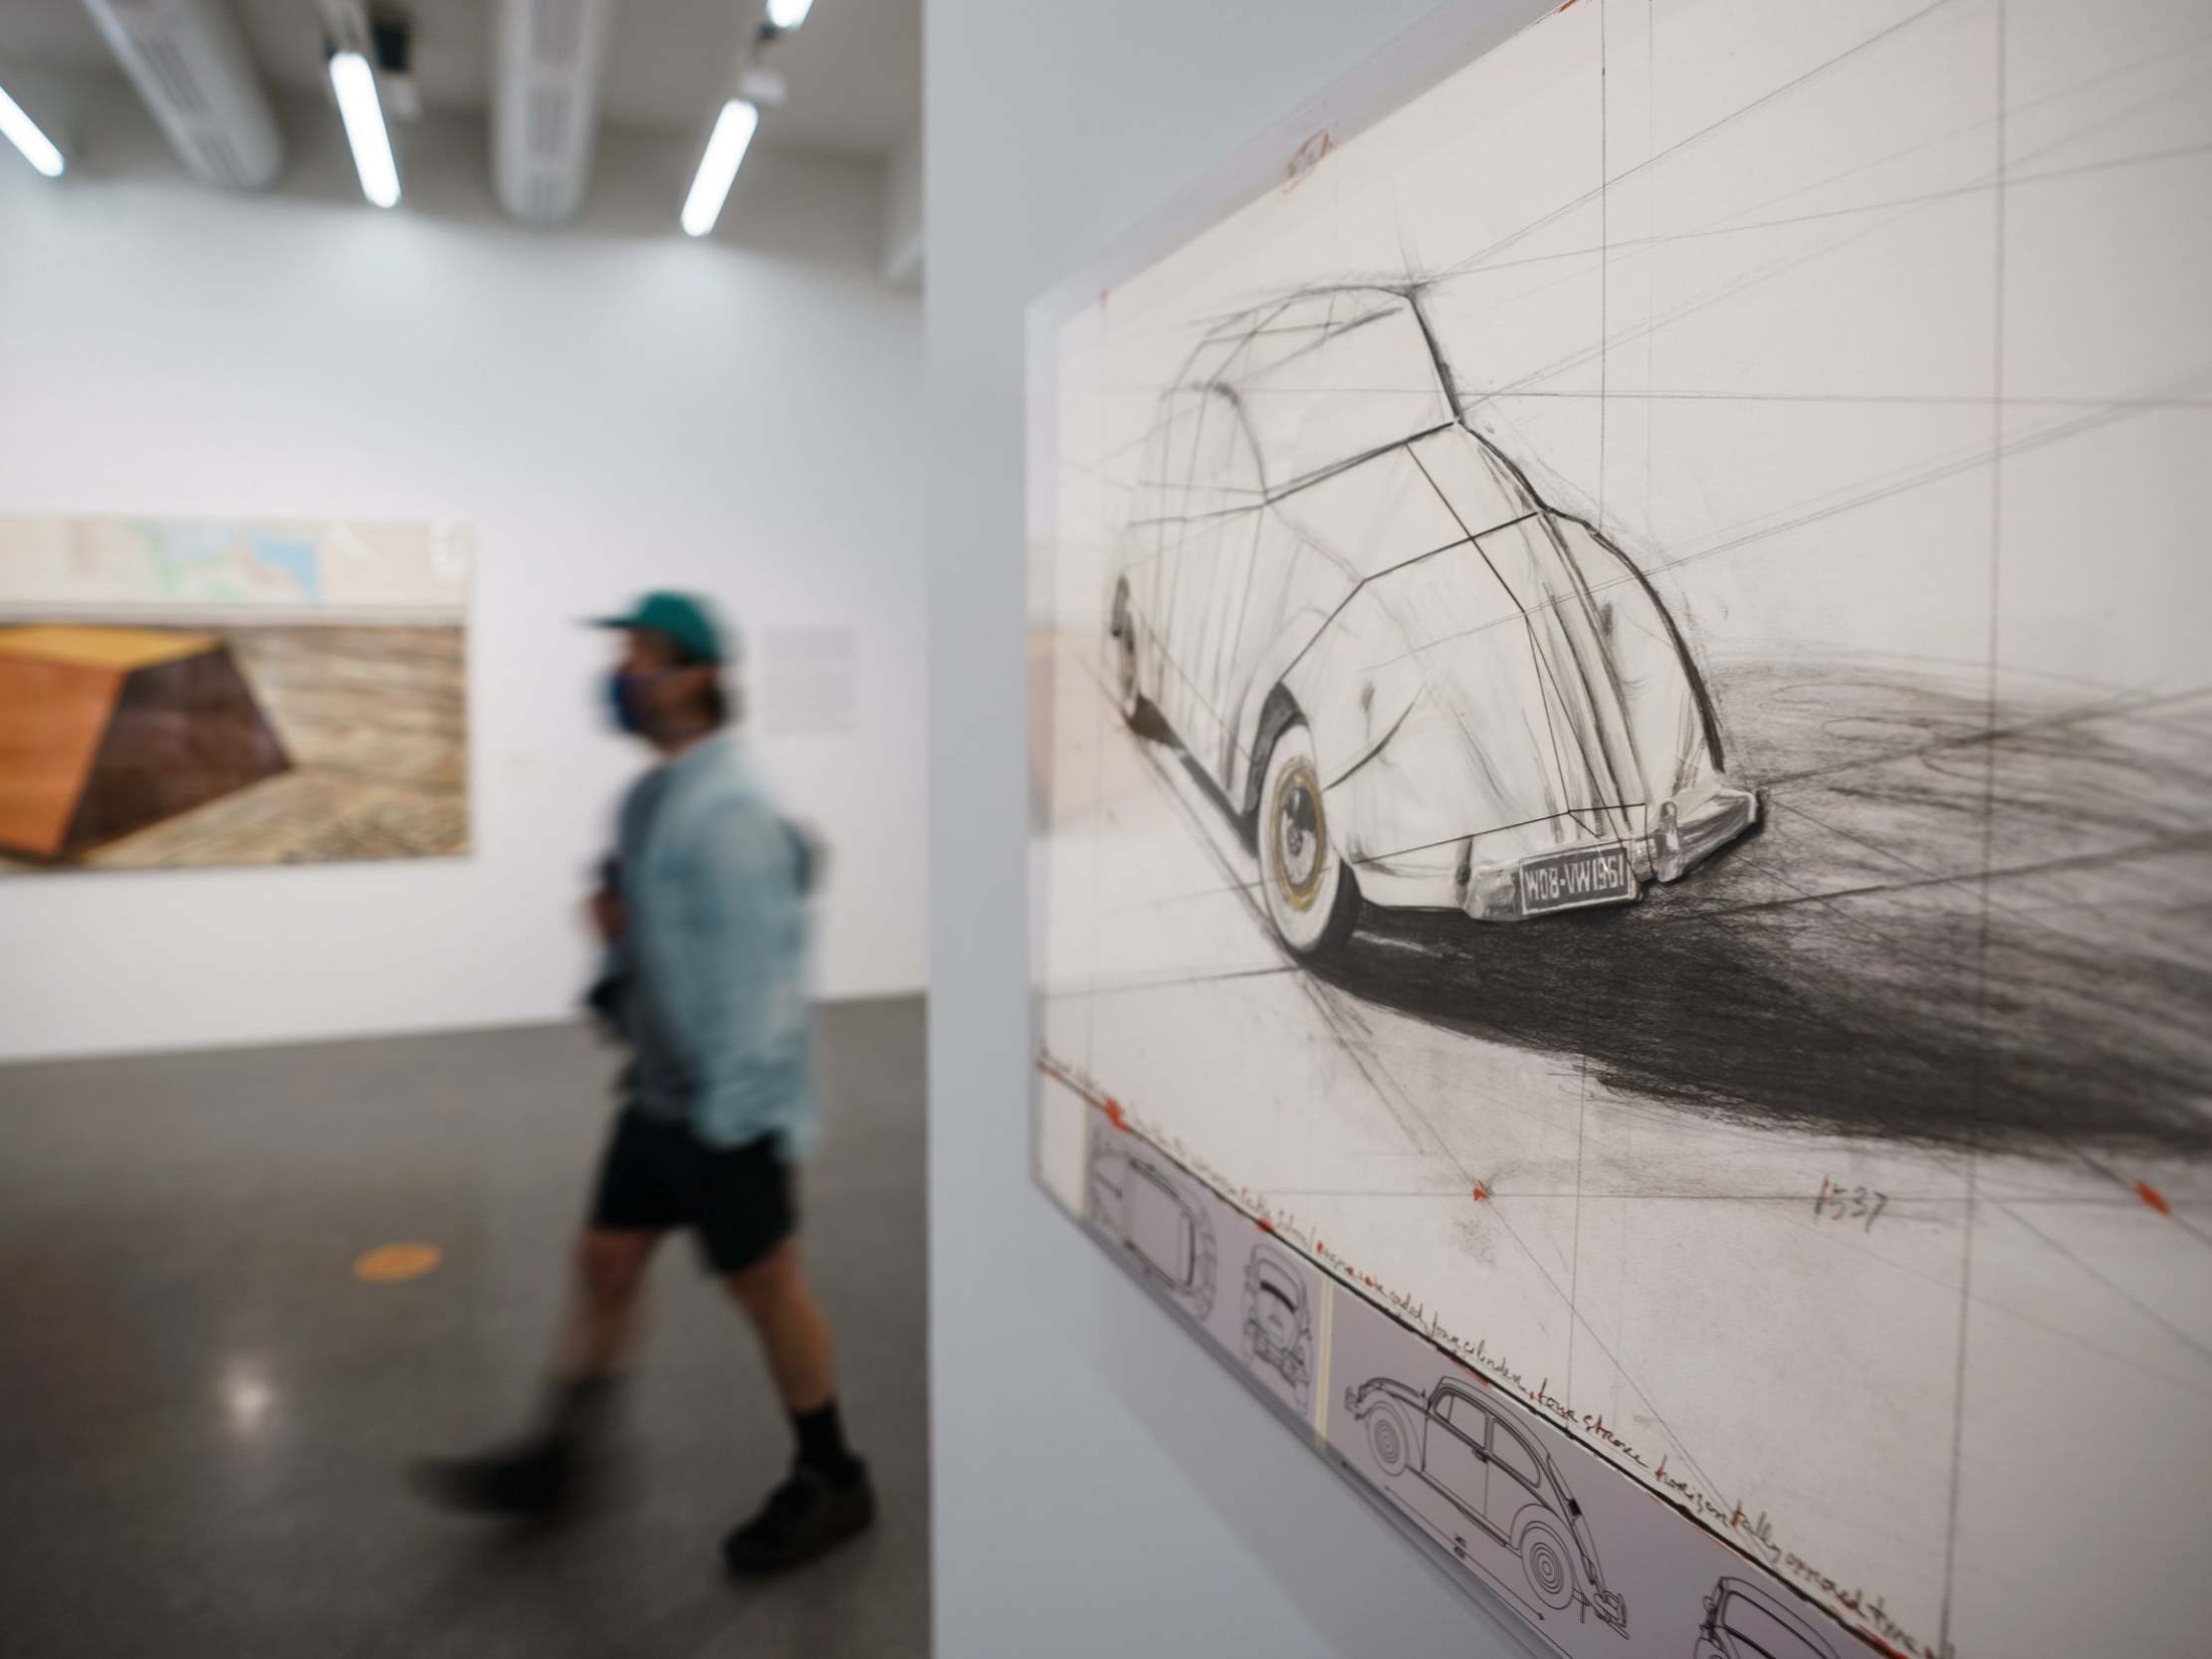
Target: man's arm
(603, 910)
(605, 915)
(748, 998)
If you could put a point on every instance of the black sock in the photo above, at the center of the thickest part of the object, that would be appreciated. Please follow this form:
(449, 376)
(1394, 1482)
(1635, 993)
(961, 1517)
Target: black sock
(578, 1407)
(821, 1444)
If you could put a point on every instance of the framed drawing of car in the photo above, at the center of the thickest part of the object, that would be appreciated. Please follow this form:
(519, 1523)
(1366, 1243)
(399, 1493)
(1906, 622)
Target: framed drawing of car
(1620, 738)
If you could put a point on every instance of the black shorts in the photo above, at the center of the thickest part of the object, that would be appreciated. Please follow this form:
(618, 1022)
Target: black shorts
(657, 1174)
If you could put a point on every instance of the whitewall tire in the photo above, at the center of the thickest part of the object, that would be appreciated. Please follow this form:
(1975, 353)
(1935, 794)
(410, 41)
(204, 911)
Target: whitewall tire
(1127, 670)
(1311, 895)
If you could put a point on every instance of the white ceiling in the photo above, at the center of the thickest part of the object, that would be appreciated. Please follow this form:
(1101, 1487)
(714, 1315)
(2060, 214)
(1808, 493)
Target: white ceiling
(854, 69)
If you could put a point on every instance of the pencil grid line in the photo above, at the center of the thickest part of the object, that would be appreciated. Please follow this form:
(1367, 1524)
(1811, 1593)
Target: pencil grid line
(1980, 1064)
(1582, 1068)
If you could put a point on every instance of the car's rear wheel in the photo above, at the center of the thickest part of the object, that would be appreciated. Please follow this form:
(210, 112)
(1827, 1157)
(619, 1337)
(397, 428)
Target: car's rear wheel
(1550, 1569)
(1312, 897)
(1386, 1438)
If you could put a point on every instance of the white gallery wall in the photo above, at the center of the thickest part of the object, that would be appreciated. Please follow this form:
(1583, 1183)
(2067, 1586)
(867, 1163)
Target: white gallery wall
(1101, 1485)
(612, 407)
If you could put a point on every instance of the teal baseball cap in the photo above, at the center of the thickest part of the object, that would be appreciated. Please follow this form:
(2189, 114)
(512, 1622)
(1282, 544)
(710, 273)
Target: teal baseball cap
(683, 617)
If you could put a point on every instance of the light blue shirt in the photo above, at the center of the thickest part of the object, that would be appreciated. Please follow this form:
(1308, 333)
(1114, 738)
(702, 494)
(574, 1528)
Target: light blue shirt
(718, 937)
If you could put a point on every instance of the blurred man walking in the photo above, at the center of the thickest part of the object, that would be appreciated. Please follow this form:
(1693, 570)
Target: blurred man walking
(702, 914)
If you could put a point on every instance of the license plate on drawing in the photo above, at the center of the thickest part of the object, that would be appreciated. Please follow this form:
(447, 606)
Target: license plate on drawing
(1586, 876)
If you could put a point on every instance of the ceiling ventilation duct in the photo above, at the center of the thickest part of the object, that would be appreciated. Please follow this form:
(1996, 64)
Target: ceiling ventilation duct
(546, 57)
(191, 66)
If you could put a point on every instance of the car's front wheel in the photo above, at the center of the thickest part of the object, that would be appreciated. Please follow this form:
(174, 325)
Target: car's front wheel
(1128, 670)
(1312, 897)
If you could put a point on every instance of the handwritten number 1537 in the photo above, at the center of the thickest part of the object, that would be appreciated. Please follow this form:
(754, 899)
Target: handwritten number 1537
(1848, 1203)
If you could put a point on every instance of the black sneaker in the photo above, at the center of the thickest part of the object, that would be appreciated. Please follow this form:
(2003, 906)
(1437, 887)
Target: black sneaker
(535, 1478)
(807, 1516)
(557, 1465)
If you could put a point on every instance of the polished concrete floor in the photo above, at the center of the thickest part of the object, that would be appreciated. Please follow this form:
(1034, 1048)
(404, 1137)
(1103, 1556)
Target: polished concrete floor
(205, 1416)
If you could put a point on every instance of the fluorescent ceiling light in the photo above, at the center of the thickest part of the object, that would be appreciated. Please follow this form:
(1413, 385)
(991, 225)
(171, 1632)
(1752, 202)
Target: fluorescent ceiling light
(23, 133)
(355, 84)
(788, 14)
(725, 150)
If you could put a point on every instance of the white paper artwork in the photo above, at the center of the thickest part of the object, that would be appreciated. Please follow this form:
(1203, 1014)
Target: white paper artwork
(1623, 743)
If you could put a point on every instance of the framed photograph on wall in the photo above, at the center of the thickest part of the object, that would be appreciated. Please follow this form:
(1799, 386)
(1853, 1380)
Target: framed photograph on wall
(178, 693)
(1621, 746)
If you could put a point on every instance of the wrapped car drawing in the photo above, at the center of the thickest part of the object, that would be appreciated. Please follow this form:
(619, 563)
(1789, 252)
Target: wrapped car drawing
(1278, 1323)
(1743, 1621)
(1467, 1470)
(1156, 1214)
(1416, 683)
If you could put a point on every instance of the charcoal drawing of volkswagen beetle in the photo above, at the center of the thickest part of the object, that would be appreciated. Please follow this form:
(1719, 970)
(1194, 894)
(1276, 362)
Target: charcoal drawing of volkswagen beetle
(1414, 682)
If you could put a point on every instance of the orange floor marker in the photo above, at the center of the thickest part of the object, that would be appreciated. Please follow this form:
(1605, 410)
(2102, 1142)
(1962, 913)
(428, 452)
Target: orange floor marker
(391, 1264)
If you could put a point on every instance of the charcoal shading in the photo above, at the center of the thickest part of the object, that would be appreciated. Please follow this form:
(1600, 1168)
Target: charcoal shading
(1818, 977)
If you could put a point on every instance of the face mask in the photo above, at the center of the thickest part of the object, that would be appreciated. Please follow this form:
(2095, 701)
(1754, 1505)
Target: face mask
(626, 701)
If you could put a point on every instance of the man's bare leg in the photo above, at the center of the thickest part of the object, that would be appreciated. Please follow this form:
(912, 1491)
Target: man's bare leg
(600, 1327)
(828, 1497)
(541, 1472)
(793, 1334)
